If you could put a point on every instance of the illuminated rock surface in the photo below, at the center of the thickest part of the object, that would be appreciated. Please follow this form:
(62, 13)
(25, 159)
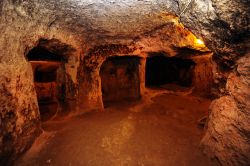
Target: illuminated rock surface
(85, 33)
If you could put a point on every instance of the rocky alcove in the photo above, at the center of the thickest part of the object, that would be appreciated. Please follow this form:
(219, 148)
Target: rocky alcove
(161, 70)
(120, 79)
(45, 67)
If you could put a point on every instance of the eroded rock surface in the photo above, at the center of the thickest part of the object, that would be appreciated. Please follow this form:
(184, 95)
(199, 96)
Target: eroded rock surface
(19, 116)
(227, 137)
(137, 27)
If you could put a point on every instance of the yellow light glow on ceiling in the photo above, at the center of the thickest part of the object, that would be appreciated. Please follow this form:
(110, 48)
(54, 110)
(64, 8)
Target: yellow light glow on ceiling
(200, 45)
(199, 41)
(187, 38)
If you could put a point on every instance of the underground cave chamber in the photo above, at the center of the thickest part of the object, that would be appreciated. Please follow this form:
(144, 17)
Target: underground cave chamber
(124, 78)
(120, 79)
(193, 71)
(162, 70)
(46, 66)
(163, 129)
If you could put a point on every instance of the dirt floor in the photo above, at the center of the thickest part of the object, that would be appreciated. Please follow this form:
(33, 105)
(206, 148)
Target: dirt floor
(160, 130)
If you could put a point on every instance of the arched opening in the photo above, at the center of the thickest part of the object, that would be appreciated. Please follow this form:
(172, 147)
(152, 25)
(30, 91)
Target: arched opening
(187, 74)
(45, 66)
(120, 79)
(161, 70)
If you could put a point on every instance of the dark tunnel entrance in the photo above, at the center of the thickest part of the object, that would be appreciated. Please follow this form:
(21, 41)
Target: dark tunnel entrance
(120, 80)
(162, 70)
(45, 68)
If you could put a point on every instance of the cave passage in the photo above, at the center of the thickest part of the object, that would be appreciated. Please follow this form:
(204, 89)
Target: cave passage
(42, 54)
(45, 67)
(120, 79)
(162, 70)
(46, 75)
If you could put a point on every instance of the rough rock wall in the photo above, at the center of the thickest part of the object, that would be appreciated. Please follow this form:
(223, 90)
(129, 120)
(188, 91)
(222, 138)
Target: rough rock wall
(20, 119)
(226, 31)
(223, 24)
(227, 137)
(203, 77)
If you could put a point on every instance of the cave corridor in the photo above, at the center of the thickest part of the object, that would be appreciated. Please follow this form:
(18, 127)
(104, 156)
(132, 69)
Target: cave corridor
(161, 70)
(45, 67)
(124, 83)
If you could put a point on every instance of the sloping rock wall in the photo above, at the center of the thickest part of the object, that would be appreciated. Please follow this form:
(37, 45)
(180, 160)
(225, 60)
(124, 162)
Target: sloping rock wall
(227, 136)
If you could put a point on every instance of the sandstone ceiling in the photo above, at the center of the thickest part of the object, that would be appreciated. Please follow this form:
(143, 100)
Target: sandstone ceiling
(223, 27)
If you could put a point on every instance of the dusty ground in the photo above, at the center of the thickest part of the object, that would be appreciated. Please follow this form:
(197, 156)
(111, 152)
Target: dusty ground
(161, 130)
